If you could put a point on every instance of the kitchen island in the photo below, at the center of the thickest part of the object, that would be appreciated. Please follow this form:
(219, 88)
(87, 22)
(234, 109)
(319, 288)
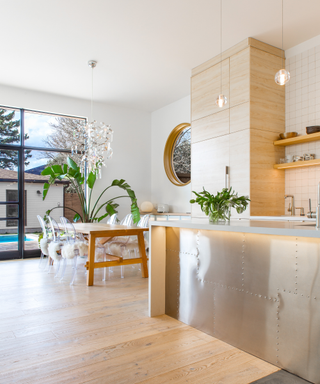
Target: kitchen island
(253, 284)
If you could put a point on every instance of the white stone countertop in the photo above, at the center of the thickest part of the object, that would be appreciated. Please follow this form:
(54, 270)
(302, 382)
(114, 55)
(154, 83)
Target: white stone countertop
(302, 227)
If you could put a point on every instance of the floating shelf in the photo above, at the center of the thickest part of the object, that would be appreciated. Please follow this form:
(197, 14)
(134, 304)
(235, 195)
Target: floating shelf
(298, 140)
(297, 164)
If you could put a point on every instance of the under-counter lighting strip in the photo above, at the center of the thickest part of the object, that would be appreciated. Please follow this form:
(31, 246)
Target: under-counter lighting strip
(297, 164)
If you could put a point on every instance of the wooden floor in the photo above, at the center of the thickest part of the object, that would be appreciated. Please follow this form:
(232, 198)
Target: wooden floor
(53, 333)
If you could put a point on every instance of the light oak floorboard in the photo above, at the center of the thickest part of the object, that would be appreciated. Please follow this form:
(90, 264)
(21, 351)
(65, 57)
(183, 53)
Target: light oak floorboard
(53, 333)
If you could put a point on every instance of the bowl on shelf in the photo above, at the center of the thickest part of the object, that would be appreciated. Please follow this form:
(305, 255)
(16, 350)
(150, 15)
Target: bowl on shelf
(313, 129)
(288, 135)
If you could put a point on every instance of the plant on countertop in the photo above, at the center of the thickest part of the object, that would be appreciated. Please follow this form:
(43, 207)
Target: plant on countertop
(217, 207)
(90, 212)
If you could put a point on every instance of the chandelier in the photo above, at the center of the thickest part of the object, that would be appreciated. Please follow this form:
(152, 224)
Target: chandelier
(92, 141)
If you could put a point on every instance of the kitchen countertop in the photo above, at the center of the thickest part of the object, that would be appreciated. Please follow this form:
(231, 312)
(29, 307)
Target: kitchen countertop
(303, 228)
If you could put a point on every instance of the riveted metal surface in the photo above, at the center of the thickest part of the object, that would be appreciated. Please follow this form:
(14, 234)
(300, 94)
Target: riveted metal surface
(270, 263)
(220, 256)
(247, 321)
(299, 335)
(260, 293)
(307, 265)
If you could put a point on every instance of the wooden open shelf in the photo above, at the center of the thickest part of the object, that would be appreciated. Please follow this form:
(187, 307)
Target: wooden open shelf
(297, 164)
(298, 139)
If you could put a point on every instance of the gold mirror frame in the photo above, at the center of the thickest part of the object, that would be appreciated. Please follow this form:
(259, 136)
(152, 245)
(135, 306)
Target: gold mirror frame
(168, 154)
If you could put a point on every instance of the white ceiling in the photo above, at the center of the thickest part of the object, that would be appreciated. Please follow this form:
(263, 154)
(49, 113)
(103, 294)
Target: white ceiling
(145, 48)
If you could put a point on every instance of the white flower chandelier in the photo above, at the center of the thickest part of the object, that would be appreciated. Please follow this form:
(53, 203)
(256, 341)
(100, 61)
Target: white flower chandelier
(93, 140)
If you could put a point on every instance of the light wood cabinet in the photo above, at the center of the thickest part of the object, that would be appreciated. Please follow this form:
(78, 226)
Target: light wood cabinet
(241, 135)
(240, 77)
(205, 87)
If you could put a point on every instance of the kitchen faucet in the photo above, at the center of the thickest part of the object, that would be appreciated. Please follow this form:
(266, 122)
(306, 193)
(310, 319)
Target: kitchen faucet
(292, 208)
(311, 214)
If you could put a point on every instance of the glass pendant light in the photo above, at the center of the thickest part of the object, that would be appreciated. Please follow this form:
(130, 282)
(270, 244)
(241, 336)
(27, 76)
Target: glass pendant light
(93, 141)
(221, 99)
(282, 76)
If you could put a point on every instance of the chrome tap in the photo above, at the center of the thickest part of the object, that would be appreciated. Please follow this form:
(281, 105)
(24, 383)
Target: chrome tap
(301, 210)
(311, 214)
(292, 208)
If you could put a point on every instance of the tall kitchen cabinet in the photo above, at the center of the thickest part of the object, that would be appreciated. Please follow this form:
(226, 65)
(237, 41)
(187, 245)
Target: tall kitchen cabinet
(241, 134)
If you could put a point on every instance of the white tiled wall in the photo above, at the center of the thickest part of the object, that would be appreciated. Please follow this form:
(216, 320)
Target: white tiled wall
(302, 110)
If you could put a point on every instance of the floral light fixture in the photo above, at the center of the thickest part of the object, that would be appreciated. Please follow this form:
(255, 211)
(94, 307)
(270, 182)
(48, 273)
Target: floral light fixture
(221, 99)
(92, 141)
(282, 76)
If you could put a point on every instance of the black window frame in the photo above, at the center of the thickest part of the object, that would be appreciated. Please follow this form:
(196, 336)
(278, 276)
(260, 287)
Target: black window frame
(20, 148)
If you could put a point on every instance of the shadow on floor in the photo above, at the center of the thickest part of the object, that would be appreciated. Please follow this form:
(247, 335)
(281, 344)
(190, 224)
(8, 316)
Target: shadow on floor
(281, 377)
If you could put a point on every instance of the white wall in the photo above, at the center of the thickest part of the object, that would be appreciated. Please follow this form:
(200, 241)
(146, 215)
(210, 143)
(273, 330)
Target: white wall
(302, 110)
(132, 136)
(162, 190)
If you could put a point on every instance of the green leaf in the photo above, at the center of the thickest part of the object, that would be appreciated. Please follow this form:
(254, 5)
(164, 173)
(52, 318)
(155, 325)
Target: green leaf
(65, 168)
(135, 213)
(57, 169)
(76, 217)
(72, 164)
(71, 172)
(91, 180)
(102, 217)
(47, 171)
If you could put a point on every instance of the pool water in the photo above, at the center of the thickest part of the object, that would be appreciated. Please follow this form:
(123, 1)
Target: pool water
(13, 238)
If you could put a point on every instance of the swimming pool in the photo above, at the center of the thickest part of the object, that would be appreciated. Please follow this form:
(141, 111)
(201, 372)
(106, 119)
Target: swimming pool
(13, 238)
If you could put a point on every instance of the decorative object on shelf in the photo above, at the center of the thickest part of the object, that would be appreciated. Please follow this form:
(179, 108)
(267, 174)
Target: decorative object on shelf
(217, 207)
(90, 212)
(93, 140)
(282, 76)
(146, 207)
(163, 208)
(297, 158)
(288, 159)
(288, 135)
(221, 99)
(309, 156)
(313, 129)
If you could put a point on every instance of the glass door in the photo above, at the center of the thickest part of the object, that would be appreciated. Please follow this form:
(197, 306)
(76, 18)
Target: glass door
(11, 199)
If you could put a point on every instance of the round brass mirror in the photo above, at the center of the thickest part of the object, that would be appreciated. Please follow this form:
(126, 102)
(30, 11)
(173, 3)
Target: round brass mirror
(177, 155)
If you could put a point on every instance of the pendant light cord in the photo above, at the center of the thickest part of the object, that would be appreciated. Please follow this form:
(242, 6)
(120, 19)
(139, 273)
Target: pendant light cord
(283, 63)
(221, 46)
(92, 93)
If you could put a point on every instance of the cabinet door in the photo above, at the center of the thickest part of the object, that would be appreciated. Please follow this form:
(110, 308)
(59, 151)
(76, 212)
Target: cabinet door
(205, 88)
(240, 77)
(209, 159)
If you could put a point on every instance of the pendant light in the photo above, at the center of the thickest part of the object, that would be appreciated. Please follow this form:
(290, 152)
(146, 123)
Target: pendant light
(221, 99)
(92, 141)
(282, 76)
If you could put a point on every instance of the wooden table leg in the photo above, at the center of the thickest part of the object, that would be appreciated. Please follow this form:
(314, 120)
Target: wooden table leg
(142, 250)
(91, 253)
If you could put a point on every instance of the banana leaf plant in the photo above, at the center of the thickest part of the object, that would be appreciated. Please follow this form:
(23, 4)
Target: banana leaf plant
(90, 212)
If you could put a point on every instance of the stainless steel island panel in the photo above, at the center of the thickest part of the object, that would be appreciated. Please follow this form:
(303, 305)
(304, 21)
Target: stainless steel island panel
(260, 293)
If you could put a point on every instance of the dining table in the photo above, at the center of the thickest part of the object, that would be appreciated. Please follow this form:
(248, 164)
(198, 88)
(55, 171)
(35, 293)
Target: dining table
(108, 231)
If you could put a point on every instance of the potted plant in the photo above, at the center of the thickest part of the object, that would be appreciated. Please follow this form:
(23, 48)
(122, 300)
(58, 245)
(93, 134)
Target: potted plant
(90, 212)
(217, 207)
